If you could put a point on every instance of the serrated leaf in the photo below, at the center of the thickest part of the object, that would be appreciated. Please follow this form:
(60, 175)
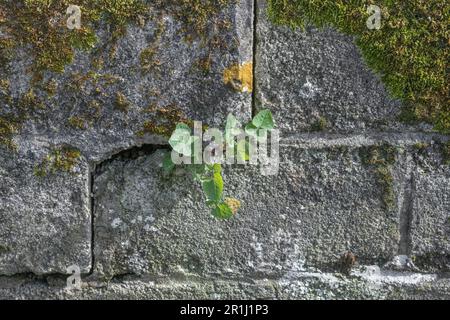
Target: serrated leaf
(222, 211)
(264, 120)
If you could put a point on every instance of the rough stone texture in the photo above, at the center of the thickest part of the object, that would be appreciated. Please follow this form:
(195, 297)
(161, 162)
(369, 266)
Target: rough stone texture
(178, 85)
(153, 236)
(430, 213)
(318, 74)
(45, 222)
(322, 203)
(383, 285)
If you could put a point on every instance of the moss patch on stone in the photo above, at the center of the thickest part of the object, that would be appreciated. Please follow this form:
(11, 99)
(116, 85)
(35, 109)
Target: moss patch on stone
(197, 16)
(381, 158)
(41, 25)
(321, 124)
(410, 51)
(121, 102)
(61, 159)
(163, 120)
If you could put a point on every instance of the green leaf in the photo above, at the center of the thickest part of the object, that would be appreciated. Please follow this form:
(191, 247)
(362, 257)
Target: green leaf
(168, 164)
(213, 187)
(264, 120)
(181, 139)
(217, 168)
(198, 171)
(222, 211)
(251, 130)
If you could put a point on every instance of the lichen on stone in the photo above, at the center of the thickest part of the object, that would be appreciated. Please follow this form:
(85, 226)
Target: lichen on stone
(239, 76)
(233, 203)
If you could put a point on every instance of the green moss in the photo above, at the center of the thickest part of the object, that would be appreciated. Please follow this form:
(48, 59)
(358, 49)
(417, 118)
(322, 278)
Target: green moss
(148, 57)
(197, 16)
(20, 110)
(51, 87)
(30, 101)
(320, 125)
(41, 25)
(4, 249)
(381, 158)
(77, 123)
(7, 130)
(62, 159)
(164, 120)
(420, 146)
(410, 51)
(204, 65)
(121, 102)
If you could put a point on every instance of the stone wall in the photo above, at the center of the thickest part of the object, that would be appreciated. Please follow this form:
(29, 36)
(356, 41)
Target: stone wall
(352, 178)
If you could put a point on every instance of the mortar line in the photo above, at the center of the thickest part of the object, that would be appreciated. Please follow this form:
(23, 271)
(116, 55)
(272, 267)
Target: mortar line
(254, 50)
(406, 215)
(92, 209)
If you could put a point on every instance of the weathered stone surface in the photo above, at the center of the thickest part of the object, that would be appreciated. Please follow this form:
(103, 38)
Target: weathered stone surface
(323, 202)
(430, 211)
(317, 80)
(87, 96)
(45, 223)
(384, 285)
(357, 187)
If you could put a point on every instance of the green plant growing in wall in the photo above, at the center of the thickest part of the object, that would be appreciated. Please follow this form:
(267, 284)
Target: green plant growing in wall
(209, 175)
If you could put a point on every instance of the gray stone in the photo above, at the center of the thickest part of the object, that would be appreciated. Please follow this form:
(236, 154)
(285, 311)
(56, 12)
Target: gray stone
(318, 75)
(322, 203)
(430, 212)
(175, 85)
(45, 223)
(306, 286)
(362, 183)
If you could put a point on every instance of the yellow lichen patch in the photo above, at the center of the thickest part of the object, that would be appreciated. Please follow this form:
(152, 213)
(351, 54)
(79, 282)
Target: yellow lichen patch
(240, 77)
(234, 204)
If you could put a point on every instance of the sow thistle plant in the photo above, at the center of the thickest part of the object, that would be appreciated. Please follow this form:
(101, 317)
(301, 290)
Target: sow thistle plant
(206, 167)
